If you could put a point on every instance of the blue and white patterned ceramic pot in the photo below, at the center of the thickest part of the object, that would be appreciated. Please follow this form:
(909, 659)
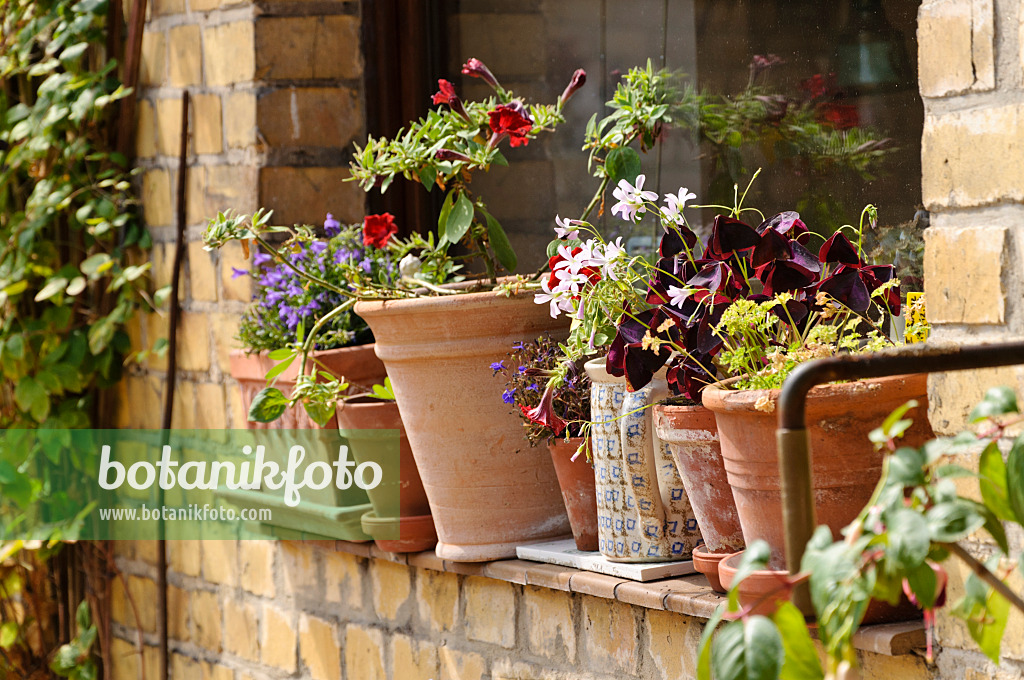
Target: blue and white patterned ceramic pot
(643, 512)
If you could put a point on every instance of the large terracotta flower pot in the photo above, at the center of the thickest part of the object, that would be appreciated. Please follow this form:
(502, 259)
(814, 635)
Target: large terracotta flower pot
(359, 365)
(400, 520)
(489, 490)
(692, 437)
(576, 479)
(642, 509)
(845, 465)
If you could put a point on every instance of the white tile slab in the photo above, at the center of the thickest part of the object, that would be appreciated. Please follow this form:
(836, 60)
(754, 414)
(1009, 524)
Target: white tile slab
(564, 553)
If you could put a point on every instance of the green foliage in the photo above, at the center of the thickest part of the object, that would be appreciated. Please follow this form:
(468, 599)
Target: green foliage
(763, 347)
(70, 279)
(896, 546)
(68, 235)
(73, 660)
(444, 149)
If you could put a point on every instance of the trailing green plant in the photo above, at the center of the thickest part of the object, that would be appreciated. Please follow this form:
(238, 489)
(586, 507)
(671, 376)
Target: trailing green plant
(448, 145)
(306, 288)
(915, 522)
(70, 277)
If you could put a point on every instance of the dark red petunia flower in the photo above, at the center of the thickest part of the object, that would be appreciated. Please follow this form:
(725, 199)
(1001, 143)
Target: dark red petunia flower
(378, 229)
(508, 119)
(445, 93)
(476, 68)
(544, 412)
(575, 83)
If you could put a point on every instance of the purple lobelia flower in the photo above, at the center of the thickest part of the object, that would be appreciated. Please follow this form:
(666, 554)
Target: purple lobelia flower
(332, 227)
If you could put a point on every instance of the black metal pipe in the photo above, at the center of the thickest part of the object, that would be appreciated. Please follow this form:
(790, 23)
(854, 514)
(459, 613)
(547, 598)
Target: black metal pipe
(794, 442)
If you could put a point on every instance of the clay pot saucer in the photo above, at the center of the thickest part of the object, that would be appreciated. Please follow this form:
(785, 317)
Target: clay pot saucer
(416, 533)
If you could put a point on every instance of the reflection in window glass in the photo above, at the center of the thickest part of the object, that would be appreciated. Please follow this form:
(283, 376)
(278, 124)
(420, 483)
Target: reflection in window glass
(821, 96)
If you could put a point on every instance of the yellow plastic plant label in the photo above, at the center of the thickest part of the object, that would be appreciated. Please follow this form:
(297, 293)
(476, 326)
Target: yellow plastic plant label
(917, 328)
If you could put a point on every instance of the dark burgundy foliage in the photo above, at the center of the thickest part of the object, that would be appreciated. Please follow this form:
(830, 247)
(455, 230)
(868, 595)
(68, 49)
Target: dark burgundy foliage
(774, 254)
(728, 236)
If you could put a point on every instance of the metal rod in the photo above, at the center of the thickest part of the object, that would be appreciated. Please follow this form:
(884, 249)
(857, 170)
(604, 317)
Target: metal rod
(172, 369)
(794, 441)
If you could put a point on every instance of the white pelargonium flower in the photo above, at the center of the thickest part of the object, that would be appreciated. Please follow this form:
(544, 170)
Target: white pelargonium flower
(632, 198)
(410, 266)
(674, 204)
(566, 229)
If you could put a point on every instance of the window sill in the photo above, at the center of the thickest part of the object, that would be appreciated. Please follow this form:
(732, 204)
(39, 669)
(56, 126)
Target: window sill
(688, 595)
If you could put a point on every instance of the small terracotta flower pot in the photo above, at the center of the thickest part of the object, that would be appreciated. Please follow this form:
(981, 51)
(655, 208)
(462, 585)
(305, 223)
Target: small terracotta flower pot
(359, 365)
(763, 589)
(576, 479)
(766, 589)
(400, 521)
(845, 465)
(707, 563)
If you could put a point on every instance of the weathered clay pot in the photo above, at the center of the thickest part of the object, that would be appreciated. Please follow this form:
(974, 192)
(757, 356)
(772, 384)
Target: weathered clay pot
(489, 491)
(359, 365)
(845, 465)
(576, 479)
(642, 509)
(763, 589)
(692, 437)
(400, 521)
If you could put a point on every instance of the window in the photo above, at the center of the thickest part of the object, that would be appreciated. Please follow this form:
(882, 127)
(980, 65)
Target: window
(851, 62)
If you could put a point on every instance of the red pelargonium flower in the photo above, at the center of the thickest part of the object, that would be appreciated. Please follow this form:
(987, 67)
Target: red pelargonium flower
(508, 119)
(378, 229)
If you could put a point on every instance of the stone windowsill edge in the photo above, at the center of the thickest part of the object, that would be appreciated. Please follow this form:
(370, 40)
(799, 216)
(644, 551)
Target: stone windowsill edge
(688, 595)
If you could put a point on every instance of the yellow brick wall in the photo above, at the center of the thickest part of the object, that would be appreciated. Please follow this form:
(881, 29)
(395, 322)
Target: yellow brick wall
(973, 184)
(304, 610)
(276, 96)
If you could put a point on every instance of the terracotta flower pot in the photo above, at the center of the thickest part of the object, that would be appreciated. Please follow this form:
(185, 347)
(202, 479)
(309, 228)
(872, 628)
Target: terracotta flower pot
(691, 436)
(358, 364)
(489, 491)
(576, 479)
(765, 588)
(643, 512)
(845, 465)
(400, 520)
(707, 563)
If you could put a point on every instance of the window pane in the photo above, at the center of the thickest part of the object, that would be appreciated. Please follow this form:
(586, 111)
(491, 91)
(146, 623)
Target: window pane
(844, 65)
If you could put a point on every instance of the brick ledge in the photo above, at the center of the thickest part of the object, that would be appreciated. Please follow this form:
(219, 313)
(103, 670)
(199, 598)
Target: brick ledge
(688, 595)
